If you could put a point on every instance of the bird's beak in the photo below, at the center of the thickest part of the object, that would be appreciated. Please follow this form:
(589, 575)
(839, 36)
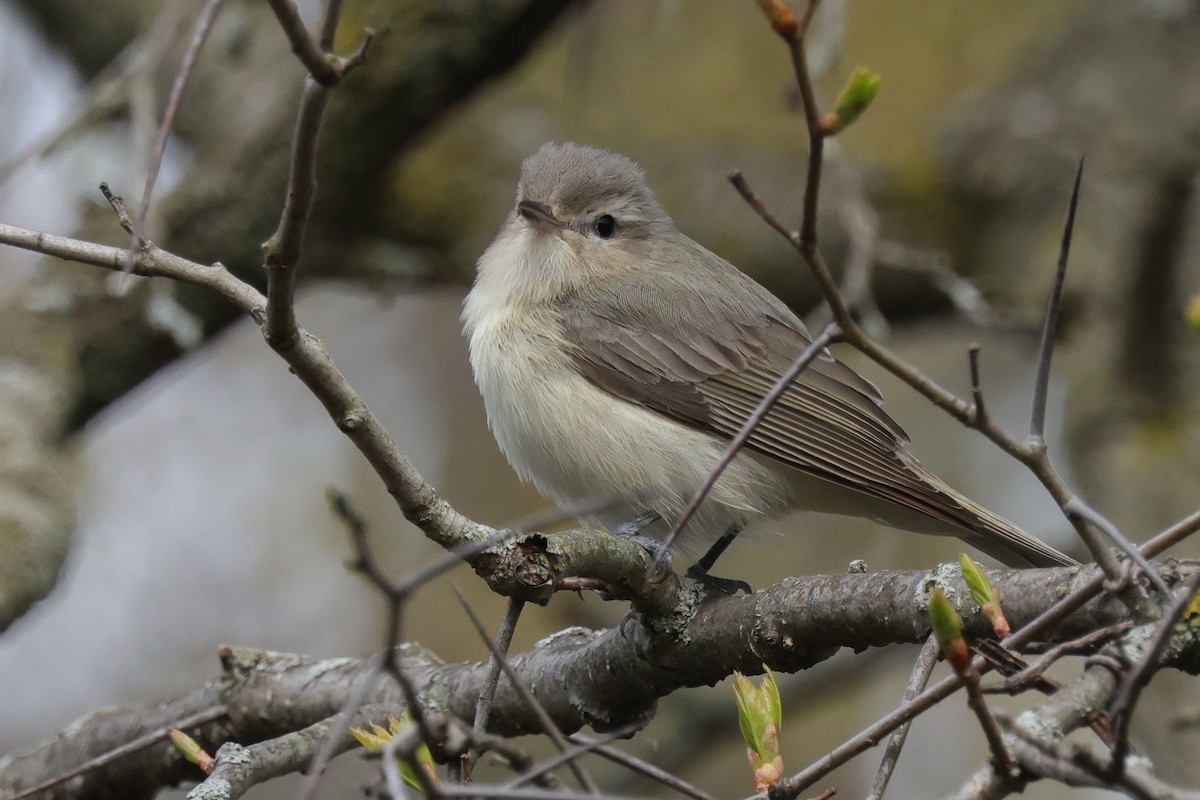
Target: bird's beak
(539, 216)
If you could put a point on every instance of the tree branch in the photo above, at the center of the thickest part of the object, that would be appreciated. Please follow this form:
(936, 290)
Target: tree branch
(604, 679)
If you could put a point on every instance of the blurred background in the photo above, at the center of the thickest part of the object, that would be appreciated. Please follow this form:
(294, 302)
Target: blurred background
(151, 438)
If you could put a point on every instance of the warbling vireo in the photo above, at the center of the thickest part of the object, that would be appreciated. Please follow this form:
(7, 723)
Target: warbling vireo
(616, 357)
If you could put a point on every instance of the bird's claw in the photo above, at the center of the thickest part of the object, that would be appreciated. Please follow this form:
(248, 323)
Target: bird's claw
(729, 586)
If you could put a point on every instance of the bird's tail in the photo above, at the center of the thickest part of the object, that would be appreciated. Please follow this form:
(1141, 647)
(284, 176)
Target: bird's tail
(996, 536)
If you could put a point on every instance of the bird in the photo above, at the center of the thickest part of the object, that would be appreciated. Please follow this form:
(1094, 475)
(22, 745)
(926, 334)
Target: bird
(616, 357)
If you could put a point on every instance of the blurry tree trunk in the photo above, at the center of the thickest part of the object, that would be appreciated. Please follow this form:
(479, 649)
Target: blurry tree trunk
(88, 347)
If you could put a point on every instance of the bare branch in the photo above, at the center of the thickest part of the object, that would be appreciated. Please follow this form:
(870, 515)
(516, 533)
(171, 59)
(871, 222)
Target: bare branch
(549, 727)
(316, 61)
(923, 668)
(329, 24)
(133, 746)
(1026, 633)
(522, 793)
(581, 748)
(504, 634)
(979, 412)
(151, 262)
(644, 768)
(1076, 508)
(1037, 417)
(1023, 675)
(1002, 760)
(1121, 708)
(208, 16)
(579, 673)
(333, 741)
(1072, 764)
(237, 769)
(1032, 453)
(281, 252)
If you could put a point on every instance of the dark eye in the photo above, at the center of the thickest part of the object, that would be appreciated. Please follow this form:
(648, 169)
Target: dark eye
(606, 226)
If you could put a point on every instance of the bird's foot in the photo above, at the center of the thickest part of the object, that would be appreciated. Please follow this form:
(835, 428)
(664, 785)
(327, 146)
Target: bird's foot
(633, 530)
(638, 524)
(729, 586)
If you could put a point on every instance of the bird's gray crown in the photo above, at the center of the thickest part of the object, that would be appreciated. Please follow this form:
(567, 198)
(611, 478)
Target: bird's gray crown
(576, 179)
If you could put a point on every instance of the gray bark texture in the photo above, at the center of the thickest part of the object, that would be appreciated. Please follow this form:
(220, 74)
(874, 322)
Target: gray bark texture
(605, 679)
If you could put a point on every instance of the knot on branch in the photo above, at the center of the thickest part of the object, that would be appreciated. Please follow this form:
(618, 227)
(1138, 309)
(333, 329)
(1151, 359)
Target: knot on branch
(524, 568)
(533, 566)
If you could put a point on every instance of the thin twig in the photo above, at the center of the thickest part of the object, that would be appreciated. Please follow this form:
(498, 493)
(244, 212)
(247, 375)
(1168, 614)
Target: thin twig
(316, 60)
(117, 204)
(1076, 507)
(641, 767)
(816, 137)
(1002, 760)
(521, 793)
(869, 736)
(810, 354)
(412, 701)
(281, 252)
(926, 660)
(364, 562)
(337, 730)
(979, 410)
(1031, 452)
(1037, 417)
(755, 202)
(1122, 705)
(140, 743)
(527, 696)
(1072, 763)
(810, 8)
(396, 596)
(460, 553)
(329, 25)
(539, 770)
(1033, 675)
(152, 262)
(204, 24)
(504, 634)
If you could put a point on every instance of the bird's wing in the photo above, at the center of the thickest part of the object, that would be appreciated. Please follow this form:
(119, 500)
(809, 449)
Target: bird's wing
(709, 371)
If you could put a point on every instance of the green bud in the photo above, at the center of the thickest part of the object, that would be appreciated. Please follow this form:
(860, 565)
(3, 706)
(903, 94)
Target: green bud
(861, 88)
(985, 594)
(760, 716)
(190, 749)
(977, 580)
(947, 627)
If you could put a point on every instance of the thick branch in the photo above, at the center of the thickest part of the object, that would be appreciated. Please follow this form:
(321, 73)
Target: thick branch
(605, 679)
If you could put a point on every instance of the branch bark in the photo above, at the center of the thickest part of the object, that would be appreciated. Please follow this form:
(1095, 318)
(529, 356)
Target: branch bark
(605, 679)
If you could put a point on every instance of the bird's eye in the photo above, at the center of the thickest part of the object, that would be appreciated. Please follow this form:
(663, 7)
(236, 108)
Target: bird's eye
(606, 226)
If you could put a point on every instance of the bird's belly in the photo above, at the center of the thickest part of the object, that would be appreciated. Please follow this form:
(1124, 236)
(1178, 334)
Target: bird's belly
(578, 444)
